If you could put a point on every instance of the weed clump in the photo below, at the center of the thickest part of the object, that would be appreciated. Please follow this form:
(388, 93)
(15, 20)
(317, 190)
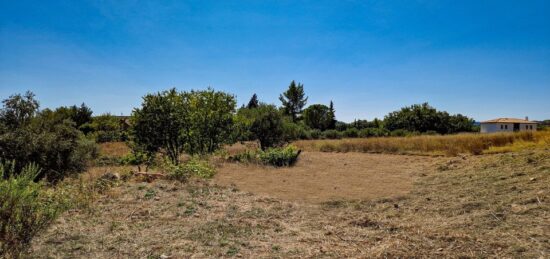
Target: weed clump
(26, 208)
(278, 156)
(285, 156)
(194, 167)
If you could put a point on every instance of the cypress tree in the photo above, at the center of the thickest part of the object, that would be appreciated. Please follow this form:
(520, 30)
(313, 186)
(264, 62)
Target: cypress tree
(253, 103)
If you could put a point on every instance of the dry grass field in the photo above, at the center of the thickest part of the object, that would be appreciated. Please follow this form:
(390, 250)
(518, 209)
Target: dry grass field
(493, 205)
(113, 149)
(321, 177)
(449, 145)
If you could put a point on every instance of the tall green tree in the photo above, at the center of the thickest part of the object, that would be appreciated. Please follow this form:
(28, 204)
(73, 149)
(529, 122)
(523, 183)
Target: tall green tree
(318, 116)
(332, 114)
(267, 126)
(253, 103)
(162, 122)
(28, 135)
(18, 109)
(264, 123)
(423, 118)
(79, 115)
(293, 100)
(211, 120)
(196, 122)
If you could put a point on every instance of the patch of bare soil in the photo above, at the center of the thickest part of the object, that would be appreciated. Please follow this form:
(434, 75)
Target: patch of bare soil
(482, 206)
(320, 177)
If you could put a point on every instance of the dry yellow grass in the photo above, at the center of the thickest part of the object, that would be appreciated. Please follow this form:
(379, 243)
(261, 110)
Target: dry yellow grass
(491, 206)
(321, 176)
(114, 149)
(426, 145)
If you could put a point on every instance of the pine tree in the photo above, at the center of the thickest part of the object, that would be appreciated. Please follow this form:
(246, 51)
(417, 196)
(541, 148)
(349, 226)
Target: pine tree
(293, 100)
(253, 103)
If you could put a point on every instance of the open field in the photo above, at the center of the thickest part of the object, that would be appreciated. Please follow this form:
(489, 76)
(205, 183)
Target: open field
(431, 145)
(319, 177)
(472, 206)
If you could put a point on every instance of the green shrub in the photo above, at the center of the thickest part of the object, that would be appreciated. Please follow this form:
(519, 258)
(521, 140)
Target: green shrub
(244, 157)
(351, 133)
(175, 171)
(106, 128)
(26, 208)
(267, 126)
(315, 134)
(373, 132)
(294, 131)
(280, 156)
(318, 116)
(46, 138)
(200, 168)
(193, 167)
(138, 158)
(331, 134)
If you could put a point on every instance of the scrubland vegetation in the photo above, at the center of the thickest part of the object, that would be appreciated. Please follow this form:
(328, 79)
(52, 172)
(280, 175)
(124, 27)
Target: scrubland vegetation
(119, 182)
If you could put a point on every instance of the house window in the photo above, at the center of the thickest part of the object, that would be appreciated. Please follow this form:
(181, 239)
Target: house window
(501, 126)
(505, 126)
(531, 126)
(526, 126)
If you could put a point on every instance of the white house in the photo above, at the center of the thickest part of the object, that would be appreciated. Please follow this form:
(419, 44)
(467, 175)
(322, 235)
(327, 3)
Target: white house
(508, 125)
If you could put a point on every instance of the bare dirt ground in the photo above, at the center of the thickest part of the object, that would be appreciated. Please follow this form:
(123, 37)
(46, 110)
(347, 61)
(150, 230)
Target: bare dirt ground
(321, 177)
(480, 206)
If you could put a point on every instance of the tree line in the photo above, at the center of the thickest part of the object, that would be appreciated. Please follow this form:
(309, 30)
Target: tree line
(193, 122)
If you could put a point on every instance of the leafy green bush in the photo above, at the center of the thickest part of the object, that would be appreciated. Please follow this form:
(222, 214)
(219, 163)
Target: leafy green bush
(40, 137)
(331, 134)
(373, 132)
(294, 131)
(315, 134)
(200, 168)
(244, 157)
(194, 167)
(280, 156)
(106, 128)
(423, 117)
(26, 208)
(138, 157)
(175, 171)
(318, 116)
(195, 122)
(351, 133)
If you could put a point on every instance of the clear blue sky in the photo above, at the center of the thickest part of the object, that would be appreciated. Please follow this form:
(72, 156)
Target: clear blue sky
(483, 59)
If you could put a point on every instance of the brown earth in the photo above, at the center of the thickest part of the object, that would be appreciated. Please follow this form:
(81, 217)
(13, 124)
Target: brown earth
(320, 177)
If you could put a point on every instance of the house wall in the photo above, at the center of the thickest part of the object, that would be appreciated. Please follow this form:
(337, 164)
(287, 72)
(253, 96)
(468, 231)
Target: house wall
(522, 127)
(505, 127)
(488, 127)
